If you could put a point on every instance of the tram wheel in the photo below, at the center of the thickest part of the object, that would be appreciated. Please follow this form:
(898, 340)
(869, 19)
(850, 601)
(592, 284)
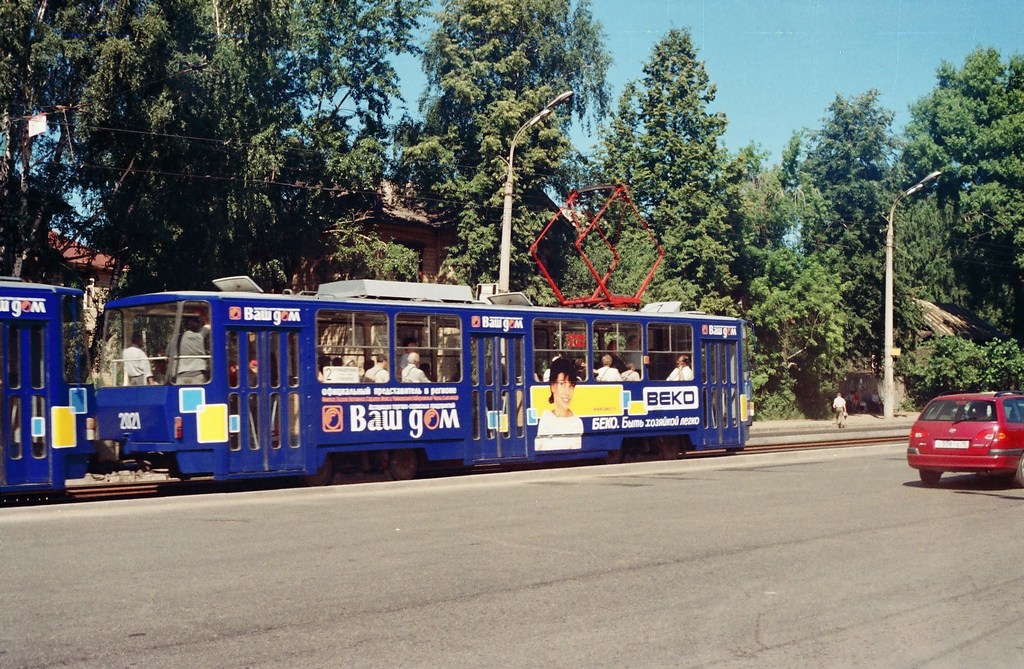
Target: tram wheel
(667, 448)
(323, 475)
(402, 464)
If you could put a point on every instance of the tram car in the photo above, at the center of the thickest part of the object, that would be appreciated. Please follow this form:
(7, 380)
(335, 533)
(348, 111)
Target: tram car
(377, 376)
(47, 428)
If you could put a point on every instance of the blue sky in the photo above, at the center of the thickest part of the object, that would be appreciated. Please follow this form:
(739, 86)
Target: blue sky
(778, 64)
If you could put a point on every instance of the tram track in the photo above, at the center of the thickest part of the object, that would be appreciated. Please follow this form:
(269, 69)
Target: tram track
(134, 490)
(826, 443)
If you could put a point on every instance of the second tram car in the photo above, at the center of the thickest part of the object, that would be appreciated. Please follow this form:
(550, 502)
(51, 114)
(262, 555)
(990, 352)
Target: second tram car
(46, 425)
(386, 376)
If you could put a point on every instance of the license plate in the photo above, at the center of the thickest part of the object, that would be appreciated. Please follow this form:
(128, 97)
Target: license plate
(951, 443)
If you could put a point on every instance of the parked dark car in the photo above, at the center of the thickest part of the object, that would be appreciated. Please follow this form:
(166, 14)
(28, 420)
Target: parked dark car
(969, 432)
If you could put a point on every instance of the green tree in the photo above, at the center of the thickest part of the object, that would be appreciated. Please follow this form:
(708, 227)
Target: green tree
(949, 364)
(664, 143)
(766, 211)
(801, 322)
(36, 175)
(490, 67)
(212, 138)
(849, 162)
(972, 127)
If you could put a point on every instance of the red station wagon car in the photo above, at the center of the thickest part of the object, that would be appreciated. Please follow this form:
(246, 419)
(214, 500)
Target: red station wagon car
(969, 432)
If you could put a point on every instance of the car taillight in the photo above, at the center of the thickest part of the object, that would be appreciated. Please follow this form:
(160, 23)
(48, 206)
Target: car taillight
(177, 427)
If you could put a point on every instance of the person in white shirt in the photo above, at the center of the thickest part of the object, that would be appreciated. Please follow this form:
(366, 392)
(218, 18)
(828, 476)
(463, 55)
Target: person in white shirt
(839, 409)
(379, 372)
(682, 372)
(137, 370)
(412, 372)
(606, 372)
(630, 374)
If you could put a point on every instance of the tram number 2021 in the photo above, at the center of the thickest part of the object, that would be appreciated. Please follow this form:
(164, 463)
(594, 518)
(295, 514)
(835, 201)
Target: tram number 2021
(130, 420)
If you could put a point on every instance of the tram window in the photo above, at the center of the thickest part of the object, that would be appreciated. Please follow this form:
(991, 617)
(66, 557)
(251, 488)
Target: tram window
(488, 408)
(520, 413)
(474, 366)
(76, 348)
(275, 420)
(37, 349)
(622, 342)
(188, 350)
(252, 354)
(556, 337)
(438, 341)
(520, 359)
(293, 359)
(175, 336)
(503, 425)
(345, 343)
(665, 343)
(475, 413)
(14, 448)
(293, 421)
(234, 409)
(233, 358)
(275, 360)
(14, 358)
(39, 416)
(254, 421)
(488, 362)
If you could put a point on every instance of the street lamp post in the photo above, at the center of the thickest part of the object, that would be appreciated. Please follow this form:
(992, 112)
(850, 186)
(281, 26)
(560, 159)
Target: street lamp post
(888, 385)
(506, 217)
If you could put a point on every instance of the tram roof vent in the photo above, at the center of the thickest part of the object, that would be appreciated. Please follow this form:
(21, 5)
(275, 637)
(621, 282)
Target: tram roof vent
(509, 299)
(488, 292)
(662, 306)
(398, 290)
(237, 284)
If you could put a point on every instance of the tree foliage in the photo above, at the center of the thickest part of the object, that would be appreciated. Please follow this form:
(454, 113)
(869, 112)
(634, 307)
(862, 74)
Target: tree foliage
(491, 66)
(972, 127)
(665, 143)
(217, 138)
(849, 163)
(801, 323)
(955, 364)
(35, 171)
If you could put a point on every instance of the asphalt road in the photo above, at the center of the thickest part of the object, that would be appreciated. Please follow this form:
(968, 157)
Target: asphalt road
(810, 559)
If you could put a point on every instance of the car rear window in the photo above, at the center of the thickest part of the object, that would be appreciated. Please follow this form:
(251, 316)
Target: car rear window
(1014, 410)
(960, 410)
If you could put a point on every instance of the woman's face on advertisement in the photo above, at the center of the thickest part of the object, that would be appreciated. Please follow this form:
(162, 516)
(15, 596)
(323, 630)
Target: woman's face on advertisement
(561, 389)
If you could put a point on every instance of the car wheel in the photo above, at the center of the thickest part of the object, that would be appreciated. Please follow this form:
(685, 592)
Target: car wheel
(930, 478)
(1018, 476)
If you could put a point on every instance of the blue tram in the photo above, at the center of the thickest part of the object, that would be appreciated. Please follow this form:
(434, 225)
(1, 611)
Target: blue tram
(45, 398)
(392, 377)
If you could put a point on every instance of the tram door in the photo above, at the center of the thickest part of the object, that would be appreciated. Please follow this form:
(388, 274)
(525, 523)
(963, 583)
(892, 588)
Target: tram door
(498, 370)
(722, 387)
(263, 401)
(25, 455)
